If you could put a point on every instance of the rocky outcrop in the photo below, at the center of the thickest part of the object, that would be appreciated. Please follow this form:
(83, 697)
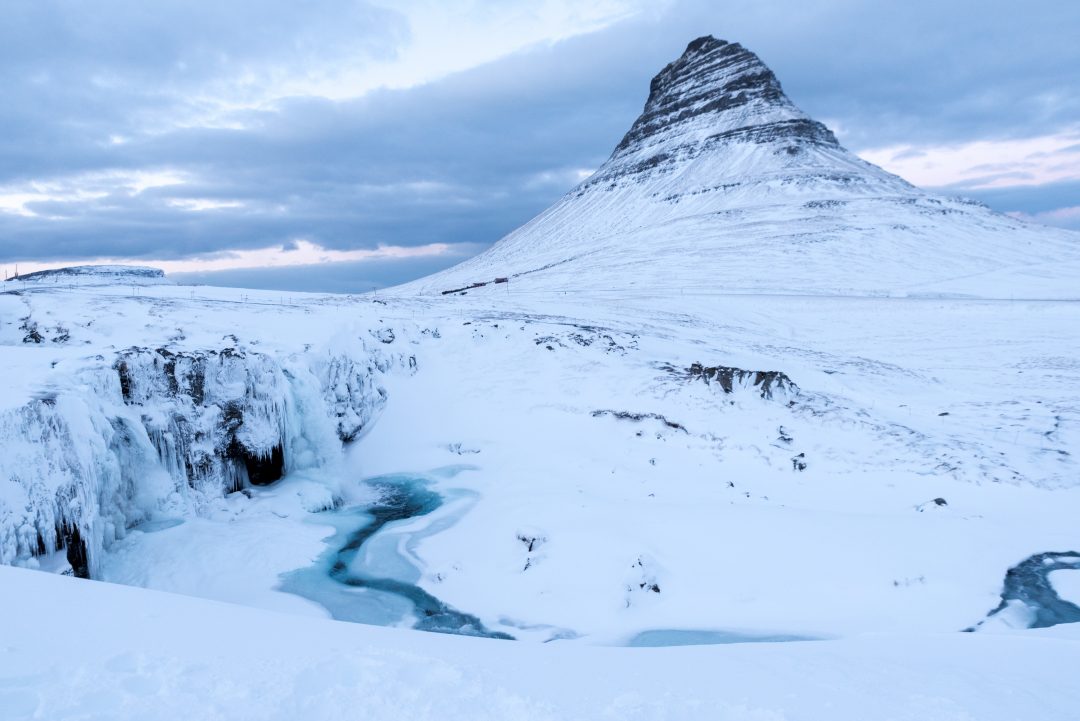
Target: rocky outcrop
(767, 383)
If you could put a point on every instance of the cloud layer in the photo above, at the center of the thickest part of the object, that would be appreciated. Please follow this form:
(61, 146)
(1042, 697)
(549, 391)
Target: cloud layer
(182, 130)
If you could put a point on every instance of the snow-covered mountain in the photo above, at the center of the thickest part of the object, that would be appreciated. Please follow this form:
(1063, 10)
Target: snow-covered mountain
(723, 184)
(740, 390)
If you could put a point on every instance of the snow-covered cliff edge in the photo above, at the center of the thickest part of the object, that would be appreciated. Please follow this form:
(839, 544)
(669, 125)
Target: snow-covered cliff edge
(149, 429)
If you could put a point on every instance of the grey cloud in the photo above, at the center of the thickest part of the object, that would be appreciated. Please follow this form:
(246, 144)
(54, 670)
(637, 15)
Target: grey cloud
(454, 161)
(119, 41)
(462, 160)
(1030, 199)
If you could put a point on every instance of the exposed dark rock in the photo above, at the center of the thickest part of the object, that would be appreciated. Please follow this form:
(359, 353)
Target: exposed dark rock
(714, 83)
(464, 290)
(264, 470)
(768, 383)
(197, 380)
(532, 541)
(628, 416)
(931, 504)
(30, 328)
(75, 551)
(124, 372)
(587, 336)
(817, 204)
(384, 335)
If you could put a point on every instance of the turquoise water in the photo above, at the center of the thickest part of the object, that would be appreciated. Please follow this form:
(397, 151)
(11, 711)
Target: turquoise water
(364, 577)
(368, 575)
(690, 637)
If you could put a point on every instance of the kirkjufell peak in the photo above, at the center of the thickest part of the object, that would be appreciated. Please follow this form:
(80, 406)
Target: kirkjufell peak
(723, 183)
(714, 96)
(721, 84)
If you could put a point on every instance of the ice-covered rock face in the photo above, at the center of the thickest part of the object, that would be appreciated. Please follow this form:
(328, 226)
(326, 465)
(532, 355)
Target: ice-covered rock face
(217, 418)
(172, 429)
(351, 393)
(74, 475)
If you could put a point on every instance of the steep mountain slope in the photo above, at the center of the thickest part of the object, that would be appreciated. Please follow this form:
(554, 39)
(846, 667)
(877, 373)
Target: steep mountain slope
(724, 185)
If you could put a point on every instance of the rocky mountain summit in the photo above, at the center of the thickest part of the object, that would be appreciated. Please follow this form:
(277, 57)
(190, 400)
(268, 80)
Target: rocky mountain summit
(717, 92)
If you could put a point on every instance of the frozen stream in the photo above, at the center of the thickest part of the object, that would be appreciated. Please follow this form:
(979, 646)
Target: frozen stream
(369, 573)
(1029, 592)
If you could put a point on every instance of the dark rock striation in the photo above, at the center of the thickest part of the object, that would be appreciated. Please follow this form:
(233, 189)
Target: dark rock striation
(716, 93)
(714, 78)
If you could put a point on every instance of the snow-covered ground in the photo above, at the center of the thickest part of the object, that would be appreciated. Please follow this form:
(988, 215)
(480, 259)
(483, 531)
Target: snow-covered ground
(97, 651)
(820, 461)
(692, 490)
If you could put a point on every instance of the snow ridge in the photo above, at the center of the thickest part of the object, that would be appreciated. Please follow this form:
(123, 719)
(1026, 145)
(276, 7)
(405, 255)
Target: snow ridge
(97, 274)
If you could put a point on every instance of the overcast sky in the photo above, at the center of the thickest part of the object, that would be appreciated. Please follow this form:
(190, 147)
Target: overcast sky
(342, 145)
